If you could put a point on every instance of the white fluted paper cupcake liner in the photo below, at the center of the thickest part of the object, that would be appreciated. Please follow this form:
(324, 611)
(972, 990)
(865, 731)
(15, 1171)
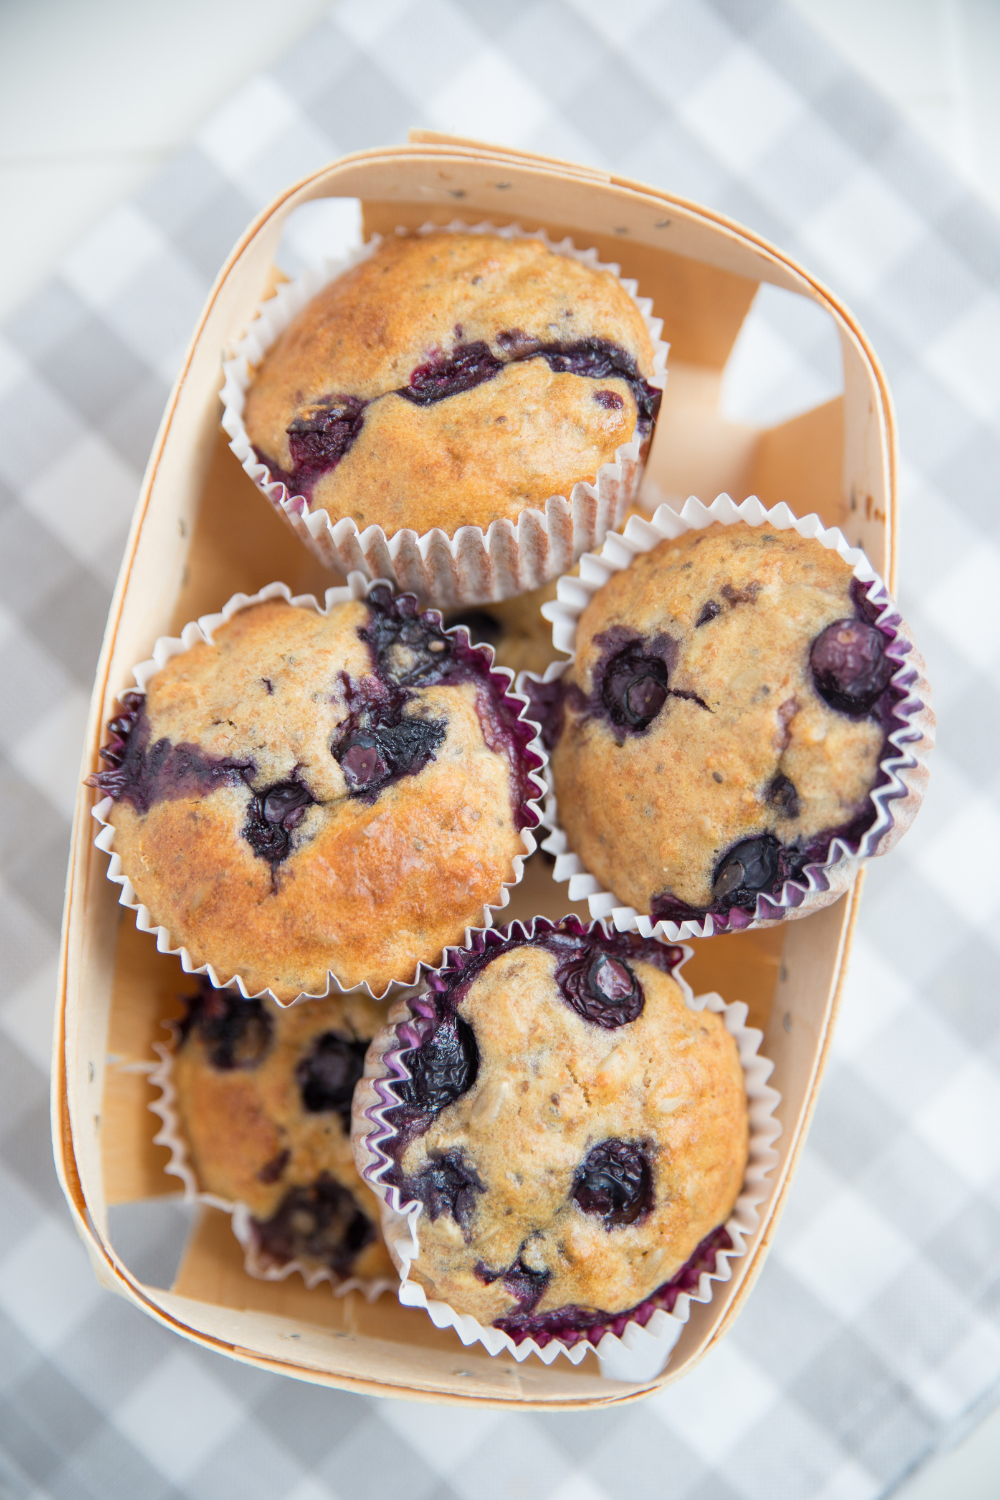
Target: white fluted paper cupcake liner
(642, 1351)
(167, 647)
(171, 1135)
(473, 566)
(904, 766)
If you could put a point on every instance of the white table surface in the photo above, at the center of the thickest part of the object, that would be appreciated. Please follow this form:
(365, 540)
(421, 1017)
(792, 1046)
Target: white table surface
(123, 87)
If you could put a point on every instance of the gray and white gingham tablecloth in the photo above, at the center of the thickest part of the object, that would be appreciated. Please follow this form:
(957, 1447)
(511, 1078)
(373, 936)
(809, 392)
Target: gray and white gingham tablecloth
(874, 1332)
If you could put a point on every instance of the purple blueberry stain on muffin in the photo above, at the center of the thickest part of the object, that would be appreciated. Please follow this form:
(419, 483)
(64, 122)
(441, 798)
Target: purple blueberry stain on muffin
(467, 365)
(322, 1222)
(573, 1325)
(143, 774)
(782, 794)
(371, 758)
(320, 436)
(327, 1074)
(634, 689)
(271, 817)
(599, 359)
(412, 650)
(274, 1170)
(447, 1185)
(235, 1033)
(525, 1283)
(631, 681)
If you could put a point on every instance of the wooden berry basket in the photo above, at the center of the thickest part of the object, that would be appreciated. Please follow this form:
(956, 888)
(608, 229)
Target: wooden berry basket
(201, 533)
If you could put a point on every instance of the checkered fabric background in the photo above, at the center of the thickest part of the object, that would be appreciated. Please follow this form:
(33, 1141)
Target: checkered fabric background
(874, 1332)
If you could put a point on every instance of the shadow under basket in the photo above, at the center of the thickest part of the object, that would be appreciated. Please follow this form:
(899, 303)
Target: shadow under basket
(202, 532)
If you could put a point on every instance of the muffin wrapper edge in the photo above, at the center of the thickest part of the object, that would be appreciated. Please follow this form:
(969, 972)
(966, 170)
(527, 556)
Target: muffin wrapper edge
(171, 1136)
(642, 1351)
(904, 767)
(473, 566)
(166, 647)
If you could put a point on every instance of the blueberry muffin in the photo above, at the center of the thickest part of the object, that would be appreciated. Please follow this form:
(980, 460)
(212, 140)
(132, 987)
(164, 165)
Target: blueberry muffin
(576, 1134)
(263, 1100)
(453, 379)
(723, 720)
(321, 792)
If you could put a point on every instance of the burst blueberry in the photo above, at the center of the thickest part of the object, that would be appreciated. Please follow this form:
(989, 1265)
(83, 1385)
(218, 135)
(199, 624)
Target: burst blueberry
(751, 866)
(448, 1185)
(635, 688)
(442, 1069)
(615, 1183)
(271, 817)
(327, 1075)
(601, 988)
(322, 1222)
(236, 1033)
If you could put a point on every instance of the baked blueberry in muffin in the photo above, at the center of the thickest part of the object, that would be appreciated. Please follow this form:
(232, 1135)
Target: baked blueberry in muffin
(321, 792)
(576, 1134)
(453, 379)
(263, 1099)
(516, 629)
(724, 720)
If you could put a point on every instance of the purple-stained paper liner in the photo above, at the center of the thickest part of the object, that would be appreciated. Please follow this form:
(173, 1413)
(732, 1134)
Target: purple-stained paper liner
(903, 772)
(641, 1349)
(473, 566)
(167, 647)
(171, 1135)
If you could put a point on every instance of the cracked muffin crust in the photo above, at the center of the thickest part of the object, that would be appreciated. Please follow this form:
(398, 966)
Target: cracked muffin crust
(723, 720)
(263, 1100)
(577, 1135)
(319, 792)
(453, 379)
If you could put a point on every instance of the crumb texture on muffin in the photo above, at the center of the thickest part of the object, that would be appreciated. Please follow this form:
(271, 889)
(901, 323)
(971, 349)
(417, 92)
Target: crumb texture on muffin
(723, 720)
(574, 1131)
(263, 1099)
(453, 379)
(314, 793)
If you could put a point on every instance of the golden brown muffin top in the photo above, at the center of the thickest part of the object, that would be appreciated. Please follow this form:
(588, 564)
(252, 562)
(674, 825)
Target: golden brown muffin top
(725, 714)
(318, 792)
(452, 379)
(263, 1098)
(573, 1130)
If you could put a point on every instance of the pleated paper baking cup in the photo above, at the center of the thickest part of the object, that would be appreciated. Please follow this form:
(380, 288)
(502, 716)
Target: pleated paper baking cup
(473, 566)
(525, 747)
(171, 1135)
(902, 774)
(634, 1345)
